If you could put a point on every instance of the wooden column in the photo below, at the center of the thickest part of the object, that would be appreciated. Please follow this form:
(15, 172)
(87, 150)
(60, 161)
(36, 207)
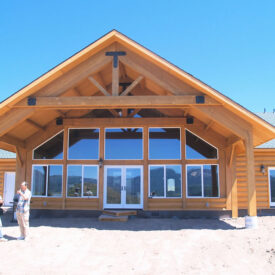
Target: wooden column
(65, 159)
(251, 183)
(21, 160)
(183, 170)
(115, 80)
(101, 170)
(145, 167)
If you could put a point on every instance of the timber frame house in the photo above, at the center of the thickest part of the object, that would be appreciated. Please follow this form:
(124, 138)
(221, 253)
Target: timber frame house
(116, 126)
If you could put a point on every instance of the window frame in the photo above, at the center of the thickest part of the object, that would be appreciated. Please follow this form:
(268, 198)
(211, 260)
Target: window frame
(202, 182)
(47, 181)
(46, 142)
(180, 142)
(185, 144)
(165, 182)
(68, 142)
(82, 183)
(142, 141)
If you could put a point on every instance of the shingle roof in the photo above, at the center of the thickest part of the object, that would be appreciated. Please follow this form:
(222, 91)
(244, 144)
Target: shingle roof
(269, 117)
(7, 155)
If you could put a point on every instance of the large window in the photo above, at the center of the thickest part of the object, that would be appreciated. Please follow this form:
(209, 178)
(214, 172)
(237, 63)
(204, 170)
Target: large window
(47, 180)
(202, 181)
(83, 144)
(82, 181)
(164, 143)
(51, 149)
(123, 143)
(165, 181)
(196, 148)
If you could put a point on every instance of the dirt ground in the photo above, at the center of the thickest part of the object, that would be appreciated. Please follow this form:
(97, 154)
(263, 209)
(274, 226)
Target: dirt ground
(140, 246)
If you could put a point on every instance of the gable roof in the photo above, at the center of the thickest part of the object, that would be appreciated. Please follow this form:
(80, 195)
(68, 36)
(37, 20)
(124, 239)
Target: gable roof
(262, 129)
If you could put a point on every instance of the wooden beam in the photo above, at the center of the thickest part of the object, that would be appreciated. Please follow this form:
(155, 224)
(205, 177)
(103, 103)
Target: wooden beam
(114, 112)
(132, 86)
(35, 125)
(232, 151)
(18, 156)
(13, 141)
(76, 90)
(130, 102)
(232, 140)
(209, 125)
(103, 90)
(115, 80)
(234, 200)
(251, 181)
(134, 113)
(124, 112)
(125, 122)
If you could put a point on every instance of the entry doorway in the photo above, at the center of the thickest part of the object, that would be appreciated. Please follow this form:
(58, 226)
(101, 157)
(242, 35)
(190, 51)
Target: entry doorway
(123, 187)
(9, 186)
(271, 177)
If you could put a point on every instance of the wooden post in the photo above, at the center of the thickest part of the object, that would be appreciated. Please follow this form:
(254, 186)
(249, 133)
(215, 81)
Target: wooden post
(101, 170)
(251, 184)
(234, 199)
(65, 160)
(183, 170)
(145, 167)
(21, 159)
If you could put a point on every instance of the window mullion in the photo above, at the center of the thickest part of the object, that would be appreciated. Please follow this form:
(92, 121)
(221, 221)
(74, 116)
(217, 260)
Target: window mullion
(164, 183)
(202, 183)
(47, 180)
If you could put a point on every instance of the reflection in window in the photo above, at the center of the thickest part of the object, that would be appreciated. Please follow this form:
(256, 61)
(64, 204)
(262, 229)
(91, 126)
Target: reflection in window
(51, 149)
(47, 180)
(82, 181)
(272, 185)
(83, 143)
(164, 143)
(202, 181)
(165, 181)
(123, 143)
(196, 148)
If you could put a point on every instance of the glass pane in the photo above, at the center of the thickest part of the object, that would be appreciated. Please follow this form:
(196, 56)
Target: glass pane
(52, 149)
(83, 143)
(123, 143)
(164, 143)
(113, 185)
(173, 181)
(90, 181)
(133, 185)
(55, 180)
(197, 148)
(74, 180)
(194, 184)
(272, 185)
(156, 181)
(39, 180)
(210, 181)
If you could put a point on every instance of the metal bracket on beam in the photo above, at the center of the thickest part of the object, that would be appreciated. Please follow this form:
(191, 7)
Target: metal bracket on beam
(115, 56)
(59, 121)
(189, 120)
(200, 99)
(31, 101)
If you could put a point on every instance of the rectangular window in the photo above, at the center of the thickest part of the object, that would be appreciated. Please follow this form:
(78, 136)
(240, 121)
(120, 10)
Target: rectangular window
(47, 180)
(202, 181)
(83, 144)
(165, 181)
(123, 143)
(164, 143)
(82, 180)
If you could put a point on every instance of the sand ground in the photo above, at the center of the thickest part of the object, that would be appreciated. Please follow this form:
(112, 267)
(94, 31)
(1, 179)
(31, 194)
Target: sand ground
(140, 246)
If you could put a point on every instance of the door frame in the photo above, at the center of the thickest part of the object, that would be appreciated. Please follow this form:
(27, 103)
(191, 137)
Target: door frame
(123, 176)
(7, 187)
(269, 186)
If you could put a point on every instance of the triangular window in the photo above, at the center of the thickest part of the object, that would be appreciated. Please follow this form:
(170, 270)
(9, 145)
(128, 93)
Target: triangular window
(51, 149)
(197, 148)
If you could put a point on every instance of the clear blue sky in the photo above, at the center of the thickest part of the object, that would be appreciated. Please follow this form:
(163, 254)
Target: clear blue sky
(229, 45)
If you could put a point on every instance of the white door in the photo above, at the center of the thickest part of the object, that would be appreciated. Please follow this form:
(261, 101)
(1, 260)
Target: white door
(271, 176)
(123, 187)
(9, 185)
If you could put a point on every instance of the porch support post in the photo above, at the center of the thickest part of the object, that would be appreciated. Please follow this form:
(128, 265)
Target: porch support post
(101, 169)
(251, 184)
(21, 159)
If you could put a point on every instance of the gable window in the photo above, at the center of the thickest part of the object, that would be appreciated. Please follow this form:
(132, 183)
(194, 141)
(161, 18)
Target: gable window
(197, 148)
(202, 181)
(165, 181)
(83, 144)
(47, 180)
(164, 143)
(125, 143)
(51, 149)
(82, 180)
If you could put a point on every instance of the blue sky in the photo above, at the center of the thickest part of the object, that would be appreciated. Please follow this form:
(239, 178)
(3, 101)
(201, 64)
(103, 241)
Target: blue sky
(230, 45)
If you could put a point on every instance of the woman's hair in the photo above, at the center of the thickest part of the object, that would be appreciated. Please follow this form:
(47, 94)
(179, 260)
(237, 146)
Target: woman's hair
(24, 183)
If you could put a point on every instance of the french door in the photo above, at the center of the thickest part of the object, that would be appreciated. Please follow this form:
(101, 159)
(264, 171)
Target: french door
(271, 176)
(123, 187)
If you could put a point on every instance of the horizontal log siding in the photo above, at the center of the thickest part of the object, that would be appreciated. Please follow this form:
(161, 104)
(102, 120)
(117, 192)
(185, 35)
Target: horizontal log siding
(265, 157)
